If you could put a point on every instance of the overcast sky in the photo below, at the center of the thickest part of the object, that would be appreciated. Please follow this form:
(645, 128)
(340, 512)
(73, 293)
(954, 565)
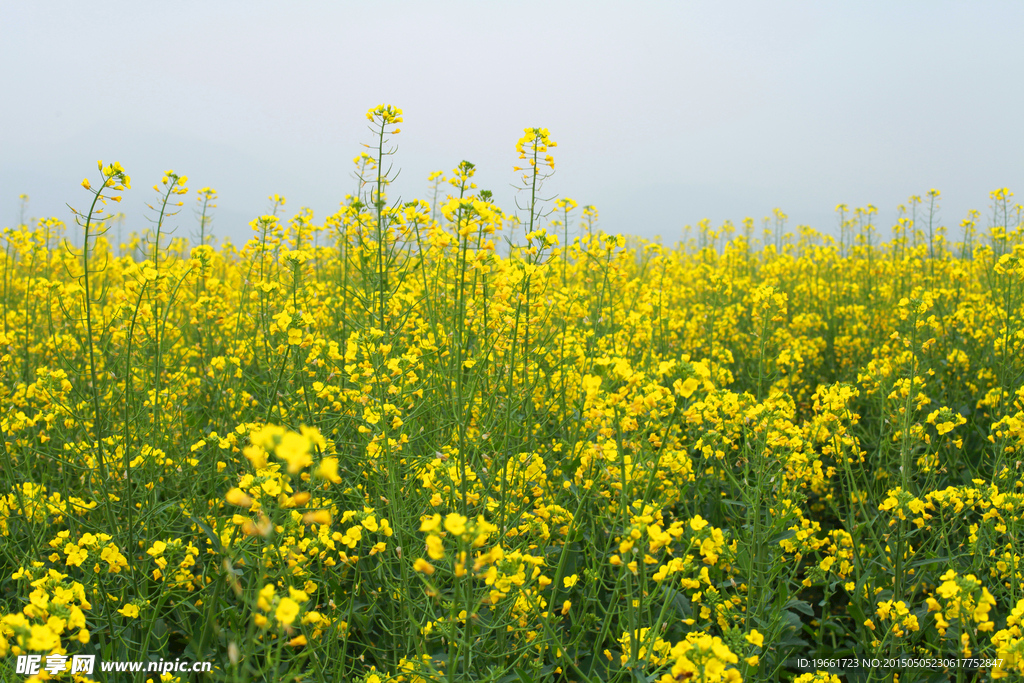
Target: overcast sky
(664, 112)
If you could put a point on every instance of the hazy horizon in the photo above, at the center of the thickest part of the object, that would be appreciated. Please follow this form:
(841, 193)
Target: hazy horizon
(664, 114)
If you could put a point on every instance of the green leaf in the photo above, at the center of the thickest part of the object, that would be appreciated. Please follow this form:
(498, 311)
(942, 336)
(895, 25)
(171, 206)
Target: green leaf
(784, 536)
(800, 606)
(214, 539)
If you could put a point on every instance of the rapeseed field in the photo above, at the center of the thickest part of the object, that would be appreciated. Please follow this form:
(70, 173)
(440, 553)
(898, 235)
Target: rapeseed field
(441, 442)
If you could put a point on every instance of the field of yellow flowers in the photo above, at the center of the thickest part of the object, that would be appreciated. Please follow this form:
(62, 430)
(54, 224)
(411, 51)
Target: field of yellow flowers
(387, 448)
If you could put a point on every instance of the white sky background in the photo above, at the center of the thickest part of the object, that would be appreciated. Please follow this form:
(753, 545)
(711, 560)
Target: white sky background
(664, 113)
